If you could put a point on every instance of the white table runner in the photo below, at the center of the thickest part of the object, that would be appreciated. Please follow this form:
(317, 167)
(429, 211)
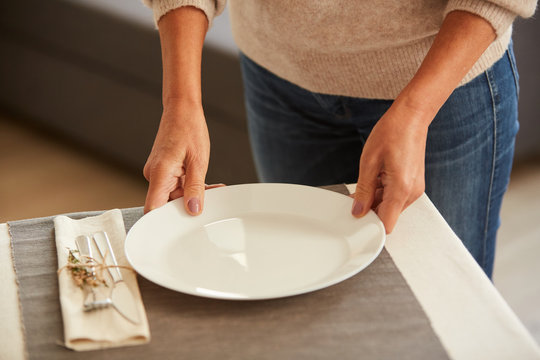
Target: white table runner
(468, 314)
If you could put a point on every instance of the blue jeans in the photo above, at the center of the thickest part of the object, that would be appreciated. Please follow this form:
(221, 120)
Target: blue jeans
(302, 137)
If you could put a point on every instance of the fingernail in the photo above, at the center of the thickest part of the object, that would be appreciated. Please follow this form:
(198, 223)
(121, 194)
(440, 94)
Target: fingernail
(357, 208)
(194, 205)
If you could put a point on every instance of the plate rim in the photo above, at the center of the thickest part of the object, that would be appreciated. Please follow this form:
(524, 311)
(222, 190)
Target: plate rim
(300, 291)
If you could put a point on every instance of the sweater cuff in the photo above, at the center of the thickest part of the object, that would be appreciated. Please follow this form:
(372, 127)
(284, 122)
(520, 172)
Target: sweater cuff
(499, 17)
(211, 8)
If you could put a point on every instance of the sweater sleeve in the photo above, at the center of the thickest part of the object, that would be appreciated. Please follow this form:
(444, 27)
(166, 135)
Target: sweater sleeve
(211, 8)
(499, 13)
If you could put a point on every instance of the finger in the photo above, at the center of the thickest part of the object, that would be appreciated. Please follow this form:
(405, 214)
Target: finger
(416, 192)
(158, 191)
(377, 200)
(390, 208)
(194, 189)
(388, 212)
(176, 194)
(365, 187)
(179, 191)
(213, 186)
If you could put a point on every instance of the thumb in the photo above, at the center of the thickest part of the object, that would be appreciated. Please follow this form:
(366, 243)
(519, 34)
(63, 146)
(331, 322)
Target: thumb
(365, 188)
(194, 190)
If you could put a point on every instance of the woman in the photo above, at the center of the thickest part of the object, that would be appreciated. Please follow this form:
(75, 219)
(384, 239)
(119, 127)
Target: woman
(400, 97)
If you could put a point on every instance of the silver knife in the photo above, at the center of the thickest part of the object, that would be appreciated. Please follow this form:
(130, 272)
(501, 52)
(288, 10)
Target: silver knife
(121, 297)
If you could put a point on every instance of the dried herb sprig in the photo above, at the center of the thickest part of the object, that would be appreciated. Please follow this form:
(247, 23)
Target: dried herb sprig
(81, 272)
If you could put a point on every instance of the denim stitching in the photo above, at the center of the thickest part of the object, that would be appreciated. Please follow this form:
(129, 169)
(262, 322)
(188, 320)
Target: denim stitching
(493, 93)
(514, 72)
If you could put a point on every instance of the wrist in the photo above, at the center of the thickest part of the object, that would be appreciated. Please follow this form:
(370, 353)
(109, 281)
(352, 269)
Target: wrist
(189, 102)
(418, 110)
(182, 112)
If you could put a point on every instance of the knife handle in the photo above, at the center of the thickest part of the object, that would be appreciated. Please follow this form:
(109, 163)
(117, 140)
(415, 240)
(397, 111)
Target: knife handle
(101, 239)
(85, 251)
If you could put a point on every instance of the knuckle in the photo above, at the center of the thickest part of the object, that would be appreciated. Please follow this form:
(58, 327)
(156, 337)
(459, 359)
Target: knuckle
(198, 159)
(161, 167)
(368, 162)
(153, 170)
(404, 186)
(148, 169)
(194, 187)
(362, 190)
(146, 173)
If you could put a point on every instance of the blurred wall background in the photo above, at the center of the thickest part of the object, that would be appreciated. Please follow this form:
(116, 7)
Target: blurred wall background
(527, 49)
(90, 71)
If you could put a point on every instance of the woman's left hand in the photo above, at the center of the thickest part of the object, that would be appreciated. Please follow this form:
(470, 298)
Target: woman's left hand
(392, 162)
(391, 173)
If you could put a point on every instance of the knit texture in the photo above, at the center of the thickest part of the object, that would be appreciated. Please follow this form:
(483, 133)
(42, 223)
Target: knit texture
(211, 8)
(352, 48)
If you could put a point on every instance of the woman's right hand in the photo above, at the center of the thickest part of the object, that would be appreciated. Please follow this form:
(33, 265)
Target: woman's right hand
(178, 161)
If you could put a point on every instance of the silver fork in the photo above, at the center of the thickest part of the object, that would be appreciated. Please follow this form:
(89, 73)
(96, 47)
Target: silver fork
(119, 297)
(85, 251)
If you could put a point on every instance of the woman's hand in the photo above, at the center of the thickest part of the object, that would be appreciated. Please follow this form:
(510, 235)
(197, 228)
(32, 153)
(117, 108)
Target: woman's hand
(392, 162)
(392, 165)
(178, 162)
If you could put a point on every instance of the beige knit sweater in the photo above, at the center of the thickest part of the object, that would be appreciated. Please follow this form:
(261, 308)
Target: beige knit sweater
(360, 48)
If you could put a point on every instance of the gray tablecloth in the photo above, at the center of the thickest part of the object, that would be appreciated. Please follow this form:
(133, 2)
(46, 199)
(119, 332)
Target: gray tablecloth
(373, 315)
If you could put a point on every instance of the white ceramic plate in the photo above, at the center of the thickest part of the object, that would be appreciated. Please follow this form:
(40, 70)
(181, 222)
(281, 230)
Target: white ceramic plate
(255, 241)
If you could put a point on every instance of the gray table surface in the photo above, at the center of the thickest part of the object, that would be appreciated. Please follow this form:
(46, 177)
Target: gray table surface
(373, 315)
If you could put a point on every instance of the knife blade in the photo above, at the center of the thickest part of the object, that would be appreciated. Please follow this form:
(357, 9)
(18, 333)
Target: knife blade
(121, 297)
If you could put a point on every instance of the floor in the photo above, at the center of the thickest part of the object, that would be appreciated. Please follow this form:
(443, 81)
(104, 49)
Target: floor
(41, 177)
(517, 269)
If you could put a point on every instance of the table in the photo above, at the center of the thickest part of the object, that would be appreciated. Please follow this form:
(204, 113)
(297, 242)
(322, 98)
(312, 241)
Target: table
(466, 312)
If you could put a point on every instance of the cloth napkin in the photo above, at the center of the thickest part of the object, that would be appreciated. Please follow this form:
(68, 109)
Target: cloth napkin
(103, 328)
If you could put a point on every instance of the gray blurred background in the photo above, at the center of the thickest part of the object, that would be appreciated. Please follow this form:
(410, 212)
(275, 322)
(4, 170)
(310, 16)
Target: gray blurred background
(90, 71)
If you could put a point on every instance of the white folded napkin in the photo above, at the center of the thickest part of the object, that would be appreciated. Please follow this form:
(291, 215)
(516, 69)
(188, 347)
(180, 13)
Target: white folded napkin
(102, 328)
